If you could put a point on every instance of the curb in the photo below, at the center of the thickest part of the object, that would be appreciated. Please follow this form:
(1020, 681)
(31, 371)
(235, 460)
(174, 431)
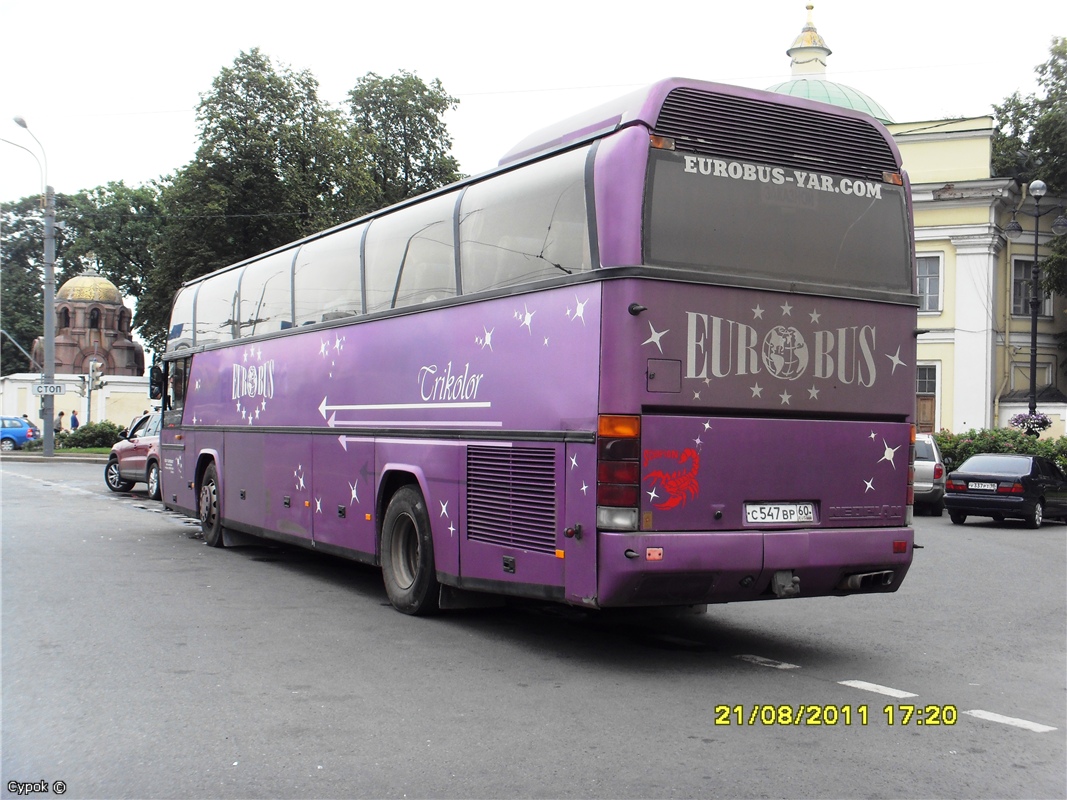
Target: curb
(30, 458)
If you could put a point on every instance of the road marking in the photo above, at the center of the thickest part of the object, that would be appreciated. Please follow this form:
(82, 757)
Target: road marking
(767, 662)
(1018, 723)
(874, 687)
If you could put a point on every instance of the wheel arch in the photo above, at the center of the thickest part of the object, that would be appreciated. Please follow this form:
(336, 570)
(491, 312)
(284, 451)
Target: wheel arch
(393, 478)
(203, 461)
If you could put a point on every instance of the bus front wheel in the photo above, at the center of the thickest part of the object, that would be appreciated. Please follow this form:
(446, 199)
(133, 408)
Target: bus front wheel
(210, 518)
(407, 554)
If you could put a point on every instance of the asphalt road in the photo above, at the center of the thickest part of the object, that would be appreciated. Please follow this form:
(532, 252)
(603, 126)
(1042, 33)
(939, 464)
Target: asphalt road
(136, 662)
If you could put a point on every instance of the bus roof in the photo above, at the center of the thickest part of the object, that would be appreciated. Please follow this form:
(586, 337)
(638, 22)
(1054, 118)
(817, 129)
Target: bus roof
(643, 106)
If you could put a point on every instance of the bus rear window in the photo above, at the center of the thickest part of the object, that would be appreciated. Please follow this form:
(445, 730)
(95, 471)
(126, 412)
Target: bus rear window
(732, 217)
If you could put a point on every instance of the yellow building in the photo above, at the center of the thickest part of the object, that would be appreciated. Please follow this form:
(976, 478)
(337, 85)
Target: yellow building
(973, 281)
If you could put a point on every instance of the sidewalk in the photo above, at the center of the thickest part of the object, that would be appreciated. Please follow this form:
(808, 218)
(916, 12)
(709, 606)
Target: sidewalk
(68, 456)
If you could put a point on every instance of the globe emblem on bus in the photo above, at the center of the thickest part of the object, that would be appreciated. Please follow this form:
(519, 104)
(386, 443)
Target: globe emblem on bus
(785, 353)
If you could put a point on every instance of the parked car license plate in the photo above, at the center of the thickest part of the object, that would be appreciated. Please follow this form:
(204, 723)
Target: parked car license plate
(780, 512)
(989, 487)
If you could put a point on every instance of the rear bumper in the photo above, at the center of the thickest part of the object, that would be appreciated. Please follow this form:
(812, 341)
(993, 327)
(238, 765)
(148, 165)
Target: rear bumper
(675, 568)
(1005, 505)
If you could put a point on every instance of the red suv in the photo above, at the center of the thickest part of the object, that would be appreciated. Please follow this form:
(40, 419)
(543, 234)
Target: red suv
(135, 459)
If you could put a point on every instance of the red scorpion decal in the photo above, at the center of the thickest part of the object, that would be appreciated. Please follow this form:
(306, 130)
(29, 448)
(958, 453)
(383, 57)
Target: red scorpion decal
(681, 484)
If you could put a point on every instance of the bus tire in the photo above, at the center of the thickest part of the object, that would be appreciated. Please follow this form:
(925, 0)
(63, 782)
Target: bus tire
(408, 569)
(155, 488)
(210, 516)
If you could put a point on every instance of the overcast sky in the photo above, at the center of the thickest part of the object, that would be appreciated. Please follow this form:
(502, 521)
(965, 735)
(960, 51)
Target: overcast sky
(110, 87)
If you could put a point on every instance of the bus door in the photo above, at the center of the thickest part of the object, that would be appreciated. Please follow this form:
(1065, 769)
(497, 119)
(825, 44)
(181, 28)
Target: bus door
(174, 442)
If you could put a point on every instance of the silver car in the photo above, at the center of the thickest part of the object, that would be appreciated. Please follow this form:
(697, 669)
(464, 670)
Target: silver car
(929, 475)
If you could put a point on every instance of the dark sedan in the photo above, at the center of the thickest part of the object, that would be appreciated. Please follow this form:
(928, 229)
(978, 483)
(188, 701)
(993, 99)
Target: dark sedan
(1004, 486)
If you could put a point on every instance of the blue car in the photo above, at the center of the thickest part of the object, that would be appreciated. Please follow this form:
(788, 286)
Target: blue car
(15, 432)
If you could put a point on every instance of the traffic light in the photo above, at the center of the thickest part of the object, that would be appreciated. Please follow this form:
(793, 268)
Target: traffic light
(82, 385)
(96, 375)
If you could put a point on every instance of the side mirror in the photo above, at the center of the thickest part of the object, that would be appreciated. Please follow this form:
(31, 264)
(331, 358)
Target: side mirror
(155, 383)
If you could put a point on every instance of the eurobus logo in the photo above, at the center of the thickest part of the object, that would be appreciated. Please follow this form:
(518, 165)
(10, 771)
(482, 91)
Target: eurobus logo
(255, 381)
(720, 348)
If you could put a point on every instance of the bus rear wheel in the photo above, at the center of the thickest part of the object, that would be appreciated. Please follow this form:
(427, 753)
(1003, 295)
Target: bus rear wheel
(408, 569)
(210, 518)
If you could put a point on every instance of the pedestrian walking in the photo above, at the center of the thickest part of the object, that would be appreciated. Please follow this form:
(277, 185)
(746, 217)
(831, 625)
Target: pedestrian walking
(58, 427)
(74, 423)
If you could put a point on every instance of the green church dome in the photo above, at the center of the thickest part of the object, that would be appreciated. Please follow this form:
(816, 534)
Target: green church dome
(836, 94)
(808, 55)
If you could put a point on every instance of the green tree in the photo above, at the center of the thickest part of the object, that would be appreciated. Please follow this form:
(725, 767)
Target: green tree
(22, 275)
(117, 229)
(275, 163)
(401, 120)
(1031, 142)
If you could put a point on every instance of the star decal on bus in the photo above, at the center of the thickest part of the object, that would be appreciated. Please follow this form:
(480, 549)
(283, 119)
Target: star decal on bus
(579, 311)
(486, 340)
(757, 312)
(444, 508)
(355, 492)
(787, 310)
(526, 315)
(869, 485)
(298, 473)
(786, 397)
(655, 337)
(889, 454)
(813, 393)
(895, 358)
(814, 317)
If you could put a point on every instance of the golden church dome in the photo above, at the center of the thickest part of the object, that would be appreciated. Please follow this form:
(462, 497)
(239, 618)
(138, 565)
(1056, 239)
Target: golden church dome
(90, 287)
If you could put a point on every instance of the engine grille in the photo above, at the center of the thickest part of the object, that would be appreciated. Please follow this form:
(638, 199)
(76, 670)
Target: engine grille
(511, 497)
(744, 129)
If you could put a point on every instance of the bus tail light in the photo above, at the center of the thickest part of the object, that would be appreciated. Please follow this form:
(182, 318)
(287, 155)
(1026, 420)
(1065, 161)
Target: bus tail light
(618, 472)
(911, 480)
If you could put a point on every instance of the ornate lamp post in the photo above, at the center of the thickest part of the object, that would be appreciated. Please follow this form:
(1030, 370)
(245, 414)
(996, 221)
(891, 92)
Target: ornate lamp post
(1013, 230)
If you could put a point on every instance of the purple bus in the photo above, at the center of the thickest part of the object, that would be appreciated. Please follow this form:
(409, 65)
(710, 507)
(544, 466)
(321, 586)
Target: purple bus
(663, 355)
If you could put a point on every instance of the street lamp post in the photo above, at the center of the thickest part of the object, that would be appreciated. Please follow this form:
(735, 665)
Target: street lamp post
(48, 374)
(1013, 230)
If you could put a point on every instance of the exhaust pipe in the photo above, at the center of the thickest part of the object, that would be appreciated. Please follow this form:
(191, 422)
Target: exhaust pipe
(867, 580)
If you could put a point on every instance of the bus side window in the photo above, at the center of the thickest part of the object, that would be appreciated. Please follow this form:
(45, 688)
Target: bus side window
(528, 225)
(179, 374)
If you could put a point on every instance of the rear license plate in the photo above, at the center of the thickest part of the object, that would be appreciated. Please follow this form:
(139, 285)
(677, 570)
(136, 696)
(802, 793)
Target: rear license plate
(780, 512)
(988, 487)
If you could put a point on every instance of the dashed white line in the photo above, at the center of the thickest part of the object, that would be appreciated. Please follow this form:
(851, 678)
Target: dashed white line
(874, 687)
(1014, 721)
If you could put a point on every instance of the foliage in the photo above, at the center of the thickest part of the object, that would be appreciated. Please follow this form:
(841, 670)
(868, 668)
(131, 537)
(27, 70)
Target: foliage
(1031, 142)
(1031, 424)
(958, 447)
(117, 229)
(275, 163)
(401, 118)
(100, 436)
(22, 275)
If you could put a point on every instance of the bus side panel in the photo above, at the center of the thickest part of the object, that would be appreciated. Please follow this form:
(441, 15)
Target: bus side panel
(288, 477)
(580, 547)
(243, 490)
(344, 493)
(178, 465)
